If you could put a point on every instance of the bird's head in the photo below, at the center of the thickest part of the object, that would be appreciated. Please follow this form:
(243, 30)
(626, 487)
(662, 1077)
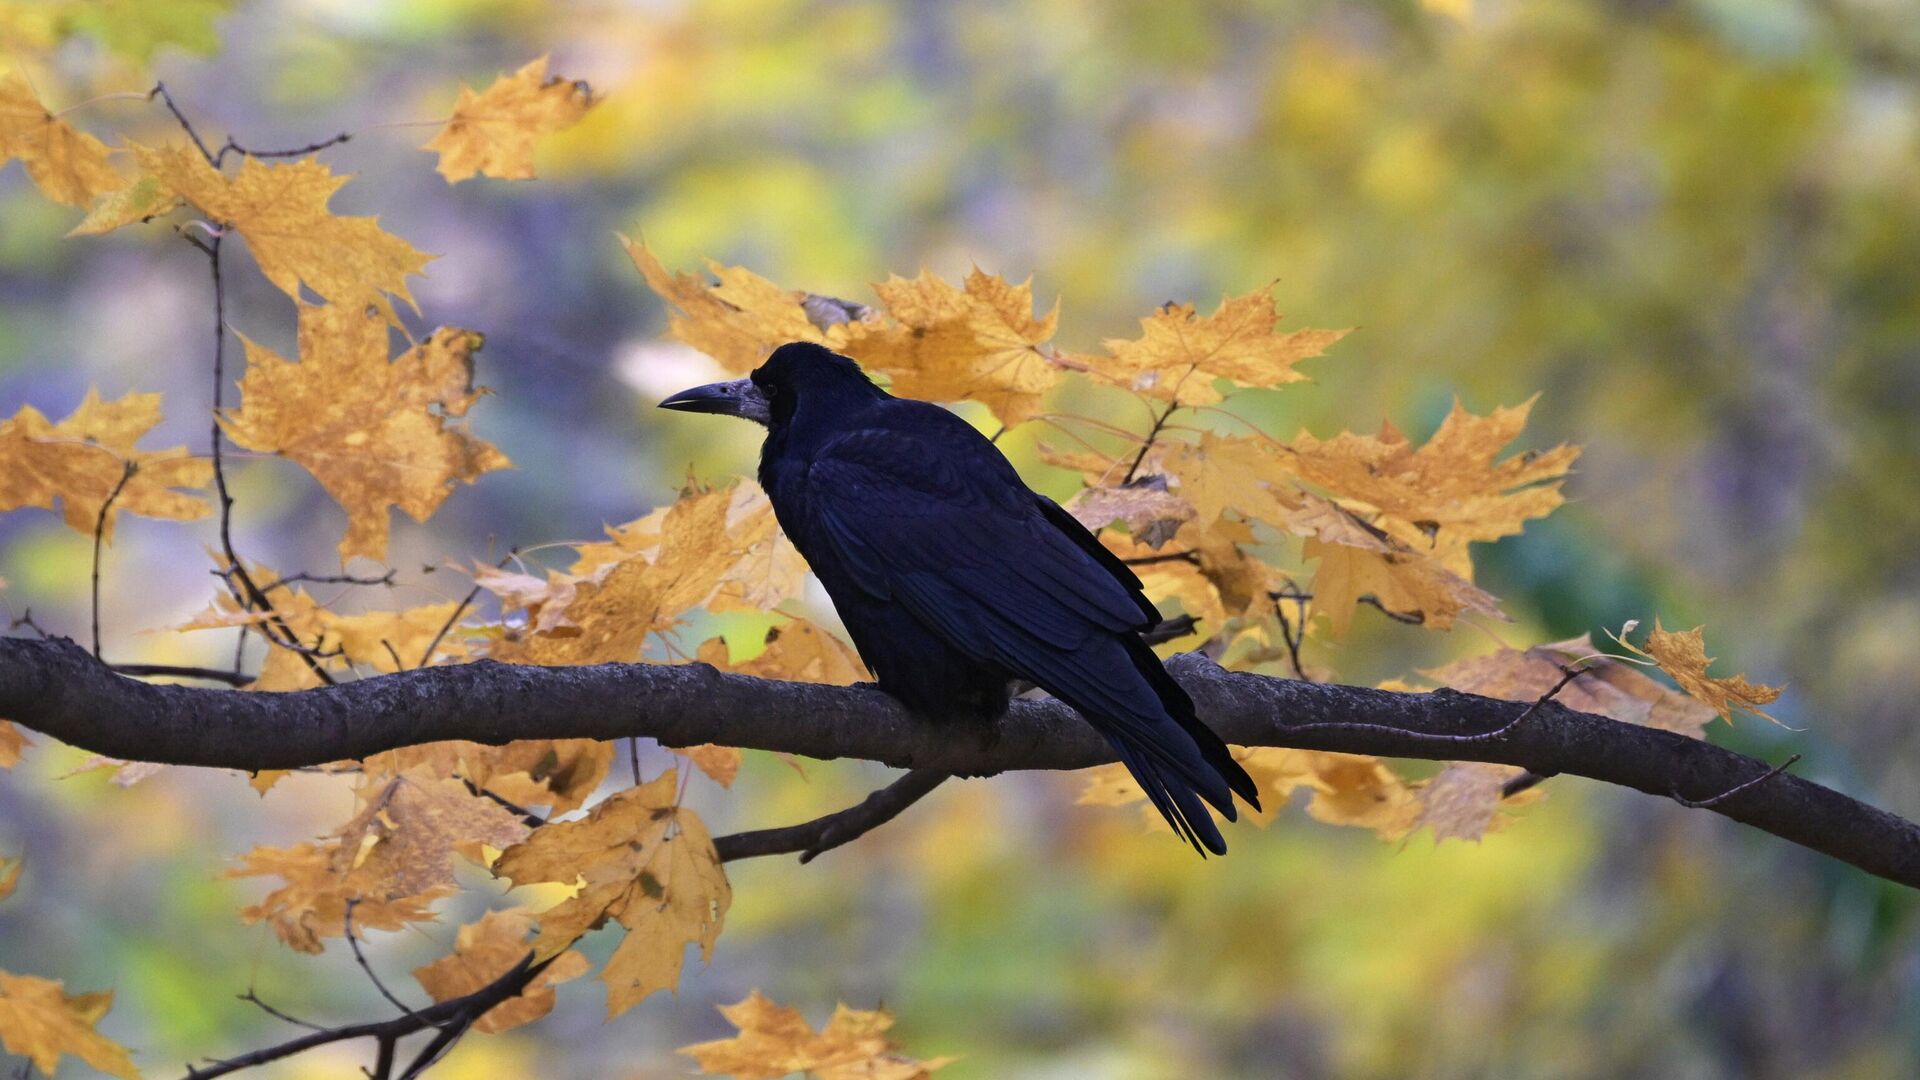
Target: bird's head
(769, 396)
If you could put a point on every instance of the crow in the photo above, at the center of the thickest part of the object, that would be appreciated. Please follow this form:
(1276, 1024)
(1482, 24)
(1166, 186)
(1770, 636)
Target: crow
(954, 579)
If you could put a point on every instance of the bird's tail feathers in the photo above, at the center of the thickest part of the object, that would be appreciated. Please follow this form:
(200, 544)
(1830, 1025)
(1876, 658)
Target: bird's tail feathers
(1213, 750)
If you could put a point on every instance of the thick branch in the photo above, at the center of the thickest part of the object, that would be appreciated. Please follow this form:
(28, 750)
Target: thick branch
(56, 687)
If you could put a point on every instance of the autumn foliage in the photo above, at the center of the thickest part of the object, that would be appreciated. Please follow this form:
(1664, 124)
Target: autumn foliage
(1264, 538)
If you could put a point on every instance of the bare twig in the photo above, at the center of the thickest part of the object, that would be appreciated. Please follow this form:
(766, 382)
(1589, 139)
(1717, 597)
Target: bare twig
(1715, 800)
(823, 834)
(232, 147)
(460, 1011)
(360, 958)
(99, 531)
(254, 998)
(231, 678)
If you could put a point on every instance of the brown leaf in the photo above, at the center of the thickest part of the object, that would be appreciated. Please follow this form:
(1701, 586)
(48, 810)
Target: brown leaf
(1683, 655)
(738, 320)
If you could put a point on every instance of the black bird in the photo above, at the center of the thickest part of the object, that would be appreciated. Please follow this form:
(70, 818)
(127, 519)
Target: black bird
(954, 578)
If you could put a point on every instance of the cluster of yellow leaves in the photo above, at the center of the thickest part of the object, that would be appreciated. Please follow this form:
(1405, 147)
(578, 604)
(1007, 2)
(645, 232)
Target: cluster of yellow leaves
(41, 1022)
(494, 132)
(383, 640)
(776, 1041)
(391, 861)
(68, 165)
(483, 951)
(84, 459)
(373, 431)
(714, 547)
(642, 860)
(1389, 523)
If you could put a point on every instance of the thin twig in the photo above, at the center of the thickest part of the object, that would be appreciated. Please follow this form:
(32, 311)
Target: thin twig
(823, 834)
(99, 531)
(532, 819)
(231, 678)
(1709, 803)
(1163, 557)
(185, 124)
(361, 959)
(460, 1010)
(254, 998)
(298, 151)
(1159, 423)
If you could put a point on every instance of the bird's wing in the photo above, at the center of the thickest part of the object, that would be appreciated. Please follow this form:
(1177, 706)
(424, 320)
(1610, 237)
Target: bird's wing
(945, 529)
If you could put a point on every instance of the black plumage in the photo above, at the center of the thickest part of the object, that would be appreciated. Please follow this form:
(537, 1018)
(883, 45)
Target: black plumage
(954, 578)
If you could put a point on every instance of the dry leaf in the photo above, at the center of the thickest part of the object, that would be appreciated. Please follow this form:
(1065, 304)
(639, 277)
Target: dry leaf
(12, 742)
(980, 342)
(1179, 355)
(776, 1041)
(738, 320)
(493, 132)
(373, 432)
(486, 950)
(282, 212)
(644, 861)
(82, 459)
(41, 1022)
(69, 166)
(10, 874)
(1683, 655)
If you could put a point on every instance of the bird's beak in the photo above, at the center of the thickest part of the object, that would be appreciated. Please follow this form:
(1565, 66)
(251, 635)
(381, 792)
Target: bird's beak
(737, 398)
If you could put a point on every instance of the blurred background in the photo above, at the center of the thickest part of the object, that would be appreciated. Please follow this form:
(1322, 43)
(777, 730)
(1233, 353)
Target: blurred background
(1694, 226)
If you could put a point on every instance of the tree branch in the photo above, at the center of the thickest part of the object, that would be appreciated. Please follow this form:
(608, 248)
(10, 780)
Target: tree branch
(823, 834)
(56, 687)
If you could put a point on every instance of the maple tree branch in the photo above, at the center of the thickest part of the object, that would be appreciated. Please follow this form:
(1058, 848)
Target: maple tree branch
(58, 688)
(823, 834)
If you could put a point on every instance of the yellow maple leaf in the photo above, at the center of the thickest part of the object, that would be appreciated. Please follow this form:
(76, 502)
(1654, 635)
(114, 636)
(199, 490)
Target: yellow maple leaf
(738, 320)
(139, 201)
(41, 1022)
(798, 650)
(776, 1041)
(69, 166)
(712, 546)
(494, 131)
(1179, 354)
(1683, 655)
(1243, 474)
(1450, 492)
(644, 861)
(484, 951)
(979, 342)
(373, 432)
(281, 210)
(1359, 561)
(83, 459)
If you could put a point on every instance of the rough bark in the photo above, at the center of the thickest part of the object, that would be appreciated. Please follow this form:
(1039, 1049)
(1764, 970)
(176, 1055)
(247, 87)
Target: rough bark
(56, 687)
